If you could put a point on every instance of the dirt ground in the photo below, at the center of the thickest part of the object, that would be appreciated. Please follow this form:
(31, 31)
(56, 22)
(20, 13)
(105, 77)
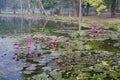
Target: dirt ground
(105, 17)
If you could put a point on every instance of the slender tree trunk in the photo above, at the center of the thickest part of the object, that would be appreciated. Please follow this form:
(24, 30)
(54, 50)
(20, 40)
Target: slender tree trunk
(29, 7)
(69, 7)
(87, 9)
(29, 24)
(33, 10)
(74, 13)
(61, 8)
(80, 14)
(113, 8)
(22, 16)
(21, 6)
(76, 6)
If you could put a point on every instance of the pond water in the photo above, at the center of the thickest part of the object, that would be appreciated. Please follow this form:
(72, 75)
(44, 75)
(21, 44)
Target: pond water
(7, 64)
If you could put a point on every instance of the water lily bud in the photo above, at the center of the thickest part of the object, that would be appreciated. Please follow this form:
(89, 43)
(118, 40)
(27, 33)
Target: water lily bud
(16, 46)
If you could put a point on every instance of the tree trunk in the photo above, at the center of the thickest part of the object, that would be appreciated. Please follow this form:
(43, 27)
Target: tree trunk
(29, 7)
(87, 9)
(21, 6)
(80, 15)
(61, 7)
(113, 8)
(76, 6)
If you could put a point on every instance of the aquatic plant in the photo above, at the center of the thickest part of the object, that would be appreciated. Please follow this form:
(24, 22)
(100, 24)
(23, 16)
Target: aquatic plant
(54, 43)
(53, 40)
(16, 46)
(96, 29)
(28, 46)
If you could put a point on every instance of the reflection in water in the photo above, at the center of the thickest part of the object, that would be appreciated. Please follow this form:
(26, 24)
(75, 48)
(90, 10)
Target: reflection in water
(15, 32)
(29, 25)
(44, 25)
(9, 25)
(16, 26)
(22, 19)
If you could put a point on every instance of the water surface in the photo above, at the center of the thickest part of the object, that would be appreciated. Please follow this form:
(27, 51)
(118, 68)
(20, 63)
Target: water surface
(10, 30)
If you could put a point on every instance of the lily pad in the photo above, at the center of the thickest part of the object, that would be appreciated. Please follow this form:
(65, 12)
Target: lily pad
(28, 72)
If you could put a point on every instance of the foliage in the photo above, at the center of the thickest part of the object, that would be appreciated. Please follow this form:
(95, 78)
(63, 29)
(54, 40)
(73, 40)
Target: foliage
(96, 67)
(2, 4)
(113, 25)
(96, 29)
(48, 4)
(98, 4)
(109, 2)
(75, 34)
(34, 2)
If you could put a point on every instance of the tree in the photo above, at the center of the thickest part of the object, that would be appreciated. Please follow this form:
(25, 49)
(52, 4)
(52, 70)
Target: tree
(2, 5)
(113, 8)
(102, 5)
(112, 4)
(48, 4)
(14, 5)
(29, 7)
(33, 4)
(21, 6)
(98, 4)
(86, 3)
(76, 7)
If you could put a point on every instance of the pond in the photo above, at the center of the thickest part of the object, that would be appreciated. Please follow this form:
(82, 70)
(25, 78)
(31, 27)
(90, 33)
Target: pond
(80, 54)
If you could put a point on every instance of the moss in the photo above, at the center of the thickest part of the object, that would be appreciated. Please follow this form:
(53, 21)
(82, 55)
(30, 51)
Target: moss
(106, 45)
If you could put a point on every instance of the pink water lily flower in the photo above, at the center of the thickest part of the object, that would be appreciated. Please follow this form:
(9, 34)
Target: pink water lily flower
(28, 46)
(93, 29)
(16, 46)
(58, 41)
(24, 37)
(53, 40)
(33, 17)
